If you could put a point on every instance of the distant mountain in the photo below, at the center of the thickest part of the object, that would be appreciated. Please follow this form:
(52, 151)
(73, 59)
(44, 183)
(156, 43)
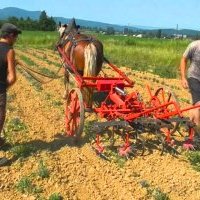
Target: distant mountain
(18, 12)
(188, 32)
(93, 24)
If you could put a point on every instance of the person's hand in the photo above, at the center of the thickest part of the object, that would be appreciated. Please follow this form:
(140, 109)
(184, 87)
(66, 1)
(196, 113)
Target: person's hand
(18, 62)
(184, 83)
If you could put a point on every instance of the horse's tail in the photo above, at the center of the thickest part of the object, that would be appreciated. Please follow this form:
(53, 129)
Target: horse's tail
(90, 54)
(90, 69)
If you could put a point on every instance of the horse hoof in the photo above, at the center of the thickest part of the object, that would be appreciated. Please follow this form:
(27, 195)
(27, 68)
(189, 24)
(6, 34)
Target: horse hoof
(65, 94)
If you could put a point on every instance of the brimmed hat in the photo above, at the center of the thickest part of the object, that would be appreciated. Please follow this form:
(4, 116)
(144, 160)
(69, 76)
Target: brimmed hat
(10, 28)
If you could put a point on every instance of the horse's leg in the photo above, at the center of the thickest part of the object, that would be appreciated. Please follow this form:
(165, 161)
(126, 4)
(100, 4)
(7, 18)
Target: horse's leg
(66, 84)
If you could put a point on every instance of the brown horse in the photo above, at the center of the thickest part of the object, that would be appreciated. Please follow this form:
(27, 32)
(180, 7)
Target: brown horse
(85, 53)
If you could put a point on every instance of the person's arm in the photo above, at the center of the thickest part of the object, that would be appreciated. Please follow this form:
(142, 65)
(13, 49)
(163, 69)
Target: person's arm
(183, 66)
(11, 76)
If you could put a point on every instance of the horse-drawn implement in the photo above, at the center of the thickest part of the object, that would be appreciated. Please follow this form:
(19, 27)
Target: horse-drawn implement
(121, 111)
(125, 113)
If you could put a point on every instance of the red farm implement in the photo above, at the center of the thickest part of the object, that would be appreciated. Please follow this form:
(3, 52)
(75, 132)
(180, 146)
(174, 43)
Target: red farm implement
(122, 112)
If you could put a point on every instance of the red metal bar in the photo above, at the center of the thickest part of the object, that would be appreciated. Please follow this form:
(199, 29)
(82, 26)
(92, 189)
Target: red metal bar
(99, 147)
(178, 111)
(168, 136)
(88, 81)
(119, 72)
(148, 111)
(77, 76)
(191, 133)
(190, 108)
(102, 78)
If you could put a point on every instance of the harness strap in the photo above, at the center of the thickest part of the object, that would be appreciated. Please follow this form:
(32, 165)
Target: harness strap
(71, 38)
(32, 73)
(89, 39)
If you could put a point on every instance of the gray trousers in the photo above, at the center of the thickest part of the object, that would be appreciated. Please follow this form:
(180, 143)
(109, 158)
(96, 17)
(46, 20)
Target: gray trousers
(2, 110)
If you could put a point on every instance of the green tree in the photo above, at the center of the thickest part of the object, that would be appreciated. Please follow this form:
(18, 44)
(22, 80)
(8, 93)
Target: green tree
(13, 20)
(46, 23)
(110, 31)
(43, 20)
(125, 31)
(159, 33)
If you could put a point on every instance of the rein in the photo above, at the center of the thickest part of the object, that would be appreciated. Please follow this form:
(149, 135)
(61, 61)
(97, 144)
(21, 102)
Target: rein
(32, 73)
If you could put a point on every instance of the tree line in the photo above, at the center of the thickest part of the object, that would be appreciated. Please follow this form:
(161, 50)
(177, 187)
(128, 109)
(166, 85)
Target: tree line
(44, 23)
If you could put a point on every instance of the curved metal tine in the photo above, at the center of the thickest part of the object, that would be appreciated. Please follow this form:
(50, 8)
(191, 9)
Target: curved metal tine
(111, 137)
(128, 156)
(160, 137)
(134, 147)
(168, 148)
(102, 155)
(177, 129)
(173, 150)
(197, 142)
(178, 133)
(143, 142)
(164, 145)
(163, 149)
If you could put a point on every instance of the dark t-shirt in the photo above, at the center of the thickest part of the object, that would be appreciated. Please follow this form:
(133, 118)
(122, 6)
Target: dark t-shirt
(4, 48)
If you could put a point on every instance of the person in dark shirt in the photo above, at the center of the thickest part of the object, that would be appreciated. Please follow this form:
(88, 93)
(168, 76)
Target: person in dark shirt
(8, 36)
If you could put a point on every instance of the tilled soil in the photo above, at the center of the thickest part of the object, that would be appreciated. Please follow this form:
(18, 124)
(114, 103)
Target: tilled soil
(76, 172)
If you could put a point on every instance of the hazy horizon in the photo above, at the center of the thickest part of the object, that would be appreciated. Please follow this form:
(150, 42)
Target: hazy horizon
(154, 13)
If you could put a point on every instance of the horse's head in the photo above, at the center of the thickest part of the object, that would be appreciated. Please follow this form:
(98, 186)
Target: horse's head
(61, 29)
(68, 28)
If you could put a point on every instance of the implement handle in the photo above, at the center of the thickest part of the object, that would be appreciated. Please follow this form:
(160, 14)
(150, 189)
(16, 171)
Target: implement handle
(119, 71)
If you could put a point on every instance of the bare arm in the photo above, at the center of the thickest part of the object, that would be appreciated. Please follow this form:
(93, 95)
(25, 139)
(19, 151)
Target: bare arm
(11, 76)
(183, 66)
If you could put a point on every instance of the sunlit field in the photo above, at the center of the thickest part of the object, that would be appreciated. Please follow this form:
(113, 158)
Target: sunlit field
(158, 56)
(45, 164)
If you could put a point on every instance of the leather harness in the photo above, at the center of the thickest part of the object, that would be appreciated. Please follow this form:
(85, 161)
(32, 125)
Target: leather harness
(71, 38)
(74, 42)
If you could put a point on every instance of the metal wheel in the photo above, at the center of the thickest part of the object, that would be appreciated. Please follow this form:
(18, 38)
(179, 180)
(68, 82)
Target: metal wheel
(164, 95)
(74, 114)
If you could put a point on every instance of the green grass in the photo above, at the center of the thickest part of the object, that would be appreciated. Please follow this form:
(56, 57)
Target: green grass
(157, 194)
(38, 39)
(158, 56)
(194, 158)
(154, 193)
(14, 126)
(25, 186)
(43, 171)
(22, 150)
(37, 85)
(55, 196)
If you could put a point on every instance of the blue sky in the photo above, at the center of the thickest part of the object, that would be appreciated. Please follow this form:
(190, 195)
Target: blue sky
(154, 13)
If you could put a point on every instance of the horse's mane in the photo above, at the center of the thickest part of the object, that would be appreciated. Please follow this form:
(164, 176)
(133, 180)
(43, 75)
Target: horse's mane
(72, 27)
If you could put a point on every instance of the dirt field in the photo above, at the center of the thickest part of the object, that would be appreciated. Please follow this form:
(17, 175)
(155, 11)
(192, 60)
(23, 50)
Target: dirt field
(77, 172)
